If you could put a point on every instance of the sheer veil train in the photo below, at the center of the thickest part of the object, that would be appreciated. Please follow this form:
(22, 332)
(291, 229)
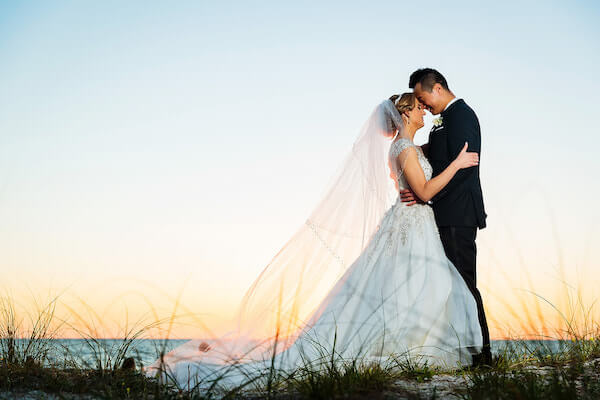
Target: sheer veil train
(347, 279)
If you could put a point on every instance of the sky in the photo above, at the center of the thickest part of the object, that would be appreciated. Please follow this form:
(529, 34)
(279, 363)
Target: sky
(156, 156)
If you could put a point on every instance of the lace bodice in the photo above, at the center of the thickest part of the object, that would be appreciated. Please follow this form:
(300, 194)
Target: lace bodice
(408, 220)
(397, 147)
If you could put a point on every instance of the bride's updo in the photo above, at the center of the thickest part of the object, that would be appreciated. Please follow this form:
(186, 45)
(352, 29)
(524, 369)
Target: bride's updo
(404, 102)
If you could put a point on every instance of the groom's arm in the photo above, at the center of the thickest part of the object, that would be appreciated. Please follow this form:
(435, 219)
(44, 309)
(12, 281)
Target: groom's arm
(465, 129)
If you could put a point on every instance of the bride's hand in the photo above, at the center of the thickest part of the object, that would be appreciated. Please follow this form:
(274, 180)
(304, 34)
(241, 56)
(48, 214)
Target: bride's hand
(466, 159)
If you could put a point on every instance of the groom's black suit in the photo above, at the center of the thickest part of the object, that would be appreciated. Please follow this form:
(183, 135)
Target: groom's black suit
(458, 208)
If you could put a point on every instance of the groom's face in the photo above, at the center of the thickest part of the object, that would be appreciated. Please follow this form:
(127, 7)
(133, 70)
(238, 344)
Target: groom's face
(431, 100)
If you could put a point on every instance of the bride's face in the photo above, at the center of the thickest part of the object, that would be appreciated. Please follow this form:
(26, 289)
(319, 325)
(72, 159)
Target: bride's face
(415, 116)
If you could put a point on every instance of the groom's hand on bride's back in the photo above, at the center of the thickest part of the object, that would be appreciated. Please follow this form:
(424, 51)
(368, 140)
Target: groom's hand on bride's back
(407, 196)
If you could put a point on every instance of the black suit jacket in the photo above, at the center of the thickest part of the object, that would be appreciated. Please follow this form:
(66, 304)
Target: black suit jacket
(460, 203)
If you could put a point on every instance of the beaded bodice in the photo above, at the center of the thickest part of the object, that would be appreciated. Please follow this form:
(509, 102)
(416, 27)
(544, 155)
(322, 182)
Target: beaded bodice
(397, 147)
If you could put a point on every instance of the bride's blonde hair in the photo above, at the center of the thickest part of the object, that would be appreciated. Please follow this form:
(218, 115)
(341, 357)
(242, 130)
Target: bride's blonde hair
(404, 102)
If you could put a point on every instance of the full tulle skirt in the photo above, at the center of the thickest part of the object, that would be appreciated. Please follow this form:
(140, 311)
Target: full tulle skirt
(401, 299)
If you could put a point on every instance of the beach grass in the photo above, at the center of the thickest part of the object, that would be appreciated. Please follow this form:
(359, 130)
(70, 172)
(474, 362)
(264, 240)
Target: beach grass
(522, 369)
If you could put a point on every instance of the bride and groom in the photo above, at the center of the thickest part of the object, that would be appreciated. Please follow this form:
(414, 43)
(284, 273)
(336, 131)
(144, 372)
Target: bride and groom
(382, 269)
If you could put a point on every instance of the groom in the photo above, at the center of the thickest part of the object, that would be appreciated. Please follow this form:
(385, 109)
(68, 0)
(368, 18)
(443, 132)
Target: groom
(458, 208)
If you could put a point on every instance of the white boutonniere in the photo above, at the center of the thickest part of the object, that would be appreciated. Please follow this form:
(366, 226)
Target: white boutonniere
(438, 121)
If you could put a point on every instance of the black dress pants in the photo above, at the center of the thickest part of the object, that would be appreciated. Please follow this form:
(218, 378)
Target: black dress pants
(460, 248)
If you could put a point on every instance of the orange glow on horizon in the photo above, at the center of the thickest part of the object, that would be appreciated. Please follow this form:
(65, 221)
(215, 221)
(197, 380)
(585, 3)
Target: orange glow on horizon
(523, 316)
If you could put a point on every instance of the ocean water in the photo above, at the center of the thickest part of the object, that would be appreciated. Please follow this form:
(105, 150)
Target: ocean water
(87, 353)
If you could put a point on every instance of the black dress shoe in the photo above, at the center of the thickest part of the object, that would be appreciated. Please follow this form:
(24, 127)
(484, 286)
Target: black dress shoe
(483, 359)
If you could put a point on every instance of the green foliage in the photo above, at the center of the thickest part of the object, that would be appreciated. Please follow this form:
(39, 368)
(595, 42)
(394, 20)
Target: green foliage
(522, 369)
(339, 381)
(20, 347)
(558, 382)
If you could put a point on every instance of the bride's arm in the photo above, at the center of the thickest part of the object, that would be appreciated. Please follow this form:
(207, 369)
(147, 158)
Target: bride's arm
(416, 177)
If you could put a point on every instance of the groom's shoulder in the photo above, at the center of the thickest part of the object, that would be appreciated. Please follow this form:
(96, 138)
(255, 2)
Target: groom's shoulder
(462, 109)
(462, 106)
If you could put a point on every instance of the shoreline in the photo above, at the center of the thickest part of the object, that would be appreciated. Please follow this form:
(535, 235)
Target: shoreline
(527, 379)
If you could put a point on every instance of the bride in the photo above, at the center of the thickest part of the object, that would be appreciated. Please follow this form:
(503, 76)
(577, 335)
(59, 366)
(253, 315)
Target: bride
(365, 278)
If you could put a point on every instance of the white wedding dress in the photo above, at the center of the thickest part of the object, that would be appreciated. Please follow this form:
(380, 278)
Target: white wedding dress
(401, 298)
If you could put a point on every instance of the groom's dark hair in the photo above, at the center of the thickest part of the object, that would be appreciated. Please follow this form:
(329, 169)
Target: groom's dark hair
(427, 77)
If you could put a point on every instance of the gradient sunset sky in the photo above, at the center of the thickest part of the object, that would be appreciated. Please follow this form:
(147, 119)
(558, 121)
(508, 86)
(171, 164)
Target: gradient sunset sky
(150, 150)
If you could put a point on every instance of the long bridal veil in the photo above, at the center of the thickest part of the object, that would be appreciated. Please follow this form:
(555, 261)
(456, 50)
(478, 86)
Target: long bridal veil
(288, 294)
(298, 278)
